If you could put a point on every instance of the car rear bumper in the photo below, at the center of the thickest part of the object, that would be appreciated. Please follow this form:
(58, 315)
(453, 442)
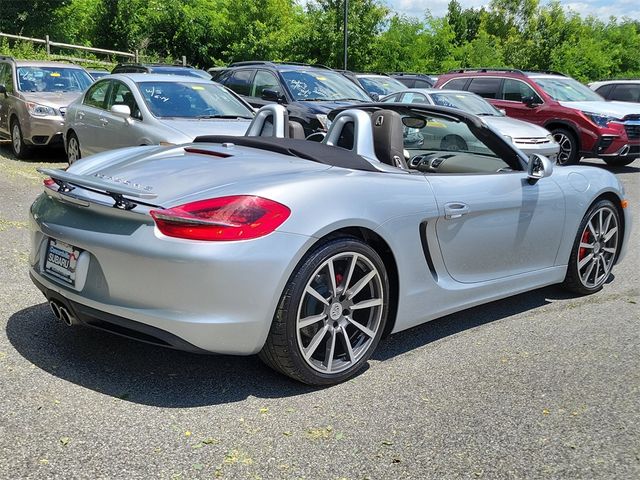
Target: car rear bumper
(219, 297)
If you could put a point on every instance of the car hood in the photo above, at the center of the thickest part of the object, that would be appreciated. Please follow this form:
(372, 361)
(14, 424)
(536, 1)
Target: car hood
(178, 176)
(515, 128)
(192, 128)
(51, 99)
(611, 109)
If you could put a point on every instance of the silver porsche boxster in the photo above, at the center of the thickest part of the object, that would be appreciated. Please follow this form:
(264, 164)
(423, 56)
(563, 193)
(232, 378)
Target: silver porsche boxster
(307, 253)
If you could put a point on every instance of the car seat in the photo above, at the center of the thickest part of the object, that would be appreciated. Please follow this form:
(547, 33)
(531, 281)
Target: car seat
(388, 141)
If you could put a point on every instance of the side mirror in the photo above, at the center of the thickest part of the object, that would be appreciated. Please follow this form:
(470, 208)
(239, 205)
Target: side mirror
(271, 95)
(530, 102)
(122, 111)
(375, 96)
(502, 111)
(539, 167)
(3, 90)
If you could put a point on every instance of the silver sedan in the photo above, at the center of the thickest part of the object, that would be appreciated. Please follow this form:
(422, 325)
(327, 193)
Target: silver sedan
(124, 110)
(526, 136)
(308, 253)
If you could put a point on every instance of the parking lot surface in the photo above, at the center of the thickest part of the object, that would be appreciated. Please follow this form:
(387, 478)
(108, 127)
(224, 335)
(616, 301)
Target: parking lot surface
(541, 385)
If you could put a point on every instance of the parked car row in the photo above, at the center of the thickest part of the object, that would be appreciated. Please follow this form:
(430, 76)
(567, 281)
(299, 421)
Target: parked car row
(118, 110)
(581, 121)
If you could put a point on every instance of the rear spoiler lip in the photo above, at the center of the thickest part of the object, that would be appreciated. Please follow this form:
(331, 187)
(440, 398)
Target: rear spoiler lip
(96, 183)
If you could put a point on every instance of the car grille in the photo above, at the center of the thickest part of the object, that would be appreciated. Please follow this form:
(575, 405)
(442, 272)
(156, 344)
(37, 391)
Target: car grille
(633, 130)
(531, 141)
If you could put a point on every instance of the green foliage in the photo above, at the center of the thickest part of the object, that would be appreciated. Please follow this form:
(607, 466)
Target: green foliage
(526, 34)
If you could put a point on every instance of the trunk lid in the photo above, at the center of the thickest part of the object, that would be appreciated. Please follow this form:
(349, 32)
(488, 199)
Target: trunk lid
(167, 176)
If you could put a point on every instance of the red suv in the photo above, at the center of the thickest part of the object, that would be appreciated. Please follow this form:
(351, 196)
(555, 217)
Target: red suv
(581, 121)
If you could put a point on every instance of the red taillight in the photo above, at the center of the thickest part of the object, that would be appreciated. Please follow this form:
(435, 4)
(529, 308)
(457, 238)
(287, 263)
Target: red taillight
(49, 182)
(238, 217)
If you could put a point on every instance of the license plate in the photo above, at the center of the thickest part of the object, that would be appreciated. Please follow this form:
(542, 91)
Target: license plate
(61, 261)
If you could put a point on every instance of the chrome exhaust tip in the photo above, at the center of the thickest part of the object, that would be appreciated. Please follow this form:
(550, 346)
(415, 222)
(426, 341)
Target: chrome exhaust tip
(68, 319)
(625, 151)
(55, 309)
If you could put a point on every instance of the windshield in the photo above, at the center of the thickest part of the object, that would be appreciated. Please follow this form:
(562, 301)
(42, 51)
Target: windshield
(53, 79)
(322, 85)
(381, 85)
(567, 90)
(464, 101)
(192, 100)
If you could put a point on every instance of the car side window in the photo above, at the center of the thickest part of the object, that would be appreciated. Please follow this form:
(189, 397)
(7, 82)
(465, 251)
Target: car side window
(96, 96)
(4, 78)
(240, 81)
(412, 97)
(516, 91)
(122, 95)
(486, 87)
(262, 80)
(392, 98)
(456, 84)
(605, 90)
(423, 84)
(626, 93)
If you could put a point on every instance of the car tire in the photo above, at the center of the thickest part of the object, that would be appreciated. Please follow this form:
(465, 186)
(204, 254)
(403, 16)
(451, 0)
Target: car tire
(324, 330)
(619, 161)
(73, 148)
(19, 148)
(568, 154)
(594, 249)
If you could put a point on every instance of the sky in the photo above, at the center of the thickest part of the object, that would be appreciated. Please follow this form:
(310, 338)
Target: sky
(598, 8)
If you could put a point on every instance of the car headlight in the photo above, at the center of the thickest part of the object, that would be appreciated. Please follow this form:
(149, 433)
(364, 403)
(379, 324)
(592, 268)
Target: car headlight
(38, 110)
(598, 119)
(324, 121)
(551, 139)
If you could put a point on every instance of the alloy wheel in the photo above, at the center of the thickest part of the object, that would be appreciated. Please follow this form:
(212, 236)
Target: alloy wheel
(340, 312)
(16, 139)
(73, 150)
(566, 148)
(598, 247)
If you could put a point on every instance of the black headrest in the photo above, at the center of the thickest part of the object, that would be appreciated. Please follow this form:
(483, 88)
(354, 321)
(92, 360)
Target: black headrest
(387, 137)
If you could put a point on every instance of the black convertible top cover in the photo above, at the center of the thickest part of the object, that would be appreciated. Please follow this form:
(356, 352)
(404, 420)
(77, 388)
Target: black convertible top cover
(314, 151)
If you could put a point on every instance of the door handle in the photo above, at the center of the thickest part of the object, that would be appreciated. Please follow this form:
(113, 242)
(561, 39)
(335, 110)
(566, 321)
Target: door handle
(455, 210)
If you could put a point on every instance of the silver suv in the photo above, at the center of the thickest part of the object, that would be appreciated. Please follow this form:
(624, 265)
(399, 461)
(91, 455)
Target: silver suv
(33, 98)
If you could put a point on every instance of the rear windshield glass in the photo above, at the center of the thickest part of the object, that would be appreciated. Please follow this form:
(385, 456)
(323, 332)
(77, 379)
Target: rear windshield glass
(52, 79)
(322, 85)
(189, 72)
(567, 90)
(381, 85)
(191, 100)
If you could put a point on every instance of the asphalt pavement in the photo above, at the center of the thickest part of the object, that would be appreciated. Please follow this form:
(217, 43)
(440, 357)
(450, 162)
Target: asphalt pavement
(541, 385)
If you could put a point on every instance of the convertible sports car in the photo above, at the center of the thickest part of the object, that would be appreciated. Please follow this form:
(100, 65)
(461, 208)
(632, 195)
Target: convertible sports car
(307, 253)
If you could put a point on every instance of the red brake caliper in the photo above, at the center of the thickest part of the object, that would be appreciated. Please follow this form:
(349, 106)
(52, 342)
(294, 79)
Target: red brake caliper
(585, 239)
(338, 279)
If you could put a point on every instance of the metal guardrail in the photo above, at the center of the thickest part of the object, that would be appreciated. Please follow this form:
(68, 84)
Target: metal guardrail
(48, 44)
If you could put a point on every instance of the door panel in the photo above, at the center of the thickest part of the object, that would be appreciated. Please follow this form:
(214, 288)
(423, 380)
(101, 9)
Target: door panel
(118, 132)
(86, 118)
(496, 225)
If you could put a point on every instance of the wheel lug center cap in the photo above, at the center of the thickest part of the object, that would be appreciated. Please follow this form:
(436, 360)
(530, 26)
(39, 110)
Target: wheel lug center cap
(596, 248)
(335, 312)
